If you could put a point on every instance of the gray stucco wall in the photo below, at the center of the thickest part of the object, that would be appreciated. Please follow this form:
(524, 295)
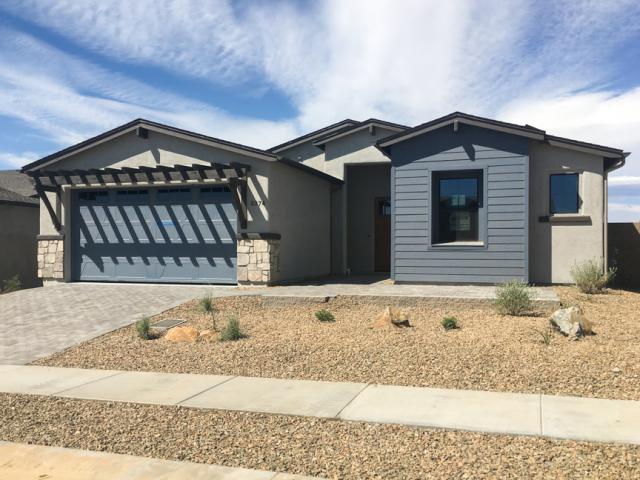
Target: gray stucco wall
(18, 244)
(565, 240)
(365, 183)
(504, 161)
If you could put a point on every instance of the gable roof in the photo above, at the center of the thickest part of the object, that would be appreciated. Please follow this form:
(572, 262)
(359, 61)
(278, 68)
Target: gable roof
(349, 129)
(313, 135)
(512, 128)
(13, 198)
(17, 182)
(151, 126)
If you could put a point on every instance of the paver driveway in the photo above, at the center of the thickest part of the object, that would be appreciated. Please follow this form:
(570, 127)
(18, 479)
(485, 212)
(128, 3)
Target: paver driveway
(37, 322)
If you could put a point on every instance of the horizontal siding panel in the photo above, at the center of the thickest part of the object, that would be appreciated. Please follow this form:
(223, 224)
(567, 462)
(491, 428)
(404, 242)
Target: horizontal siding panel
(505, 177)
(505, 201)
(422, 232)
(422, 202)
(514, 192)
(493, 224)
(453, 155)
(506, 209)
(459, 255)
(412, 218)
(518, 168)
(466, 262)
(496, 216)
(399, 211)
(411, 181)
(506, 232)
(412, 226)
(412, 188)
(420, 241)
(506, 246)
(412, 195)
(499, 240)
(505, 185)
(490, 279)
(463, 270)
(411, 173)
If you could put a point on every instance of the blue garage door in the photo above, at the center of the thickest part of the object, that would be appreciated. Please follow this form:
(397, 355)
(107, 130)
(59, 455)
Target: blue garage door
(182, 235)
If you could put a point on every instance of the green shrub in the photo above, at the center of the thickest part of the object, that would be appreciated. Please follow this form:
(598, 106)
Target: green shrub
(450, 323)
(143, 328)
(11, 284)
(232, 331)
(207, 306)
(514, 298)
(590, 277)
(325, 316)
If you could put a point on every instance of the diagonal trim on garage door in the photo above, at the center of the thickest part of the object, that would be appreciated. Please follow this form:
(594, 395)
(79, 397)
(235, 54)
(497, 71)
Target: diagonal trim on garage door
(169, 234)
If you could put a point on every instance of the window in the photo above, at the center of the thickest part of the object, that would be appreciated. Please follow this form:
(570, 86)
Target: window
(456, 206)
(563, 193)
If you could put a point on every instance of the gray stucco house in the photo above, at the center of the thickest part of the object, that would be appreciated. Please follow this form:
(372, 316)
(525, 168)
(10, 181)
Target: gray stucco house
(459, 199)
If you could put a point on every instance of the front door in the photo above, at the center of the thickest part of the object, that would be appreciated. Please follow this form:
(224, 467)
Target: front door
(382, 234)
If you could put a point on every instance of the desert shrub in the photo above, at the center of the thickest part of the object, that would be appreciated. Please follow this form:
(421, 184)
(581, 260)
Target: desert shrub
(545, 335)
(325, 316)
(513, 298)
(232, 331)
(11, 284)
(590, 276)
(206, 305)
(143, 327)
(449, 323)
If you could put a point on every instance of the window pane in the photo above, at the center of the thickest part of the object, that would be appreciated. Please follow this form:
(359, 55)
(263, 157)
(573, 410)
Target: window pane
(564, 193)
(458, 205)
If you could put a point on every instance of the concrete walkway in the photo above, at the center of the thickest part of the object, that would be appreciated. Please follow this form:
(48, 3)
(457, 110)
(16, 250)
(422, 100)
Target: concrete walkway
(19, 462)
(573, 418)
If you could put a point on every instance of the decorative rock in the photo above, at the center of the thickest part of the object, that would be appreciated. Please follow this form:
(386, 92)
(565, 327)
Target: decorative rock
(616, 370)
(572, 322)
(208, 336)
(391, 316)
(182, 334)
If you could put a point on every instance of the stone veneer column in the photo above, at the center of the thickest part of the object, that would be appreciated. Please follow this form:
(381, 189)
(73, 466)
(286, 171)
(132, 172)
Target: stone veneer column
(258, 260)
(51, 257)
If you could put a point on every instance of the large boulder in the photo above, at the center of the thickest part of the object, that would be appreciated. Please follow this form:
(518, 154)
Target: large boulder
(392, 316)
(182, 334)
(572, 322)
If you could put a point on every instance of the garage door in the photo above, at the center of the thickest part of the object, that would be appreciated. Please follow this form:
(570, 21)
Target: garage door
(183, 235)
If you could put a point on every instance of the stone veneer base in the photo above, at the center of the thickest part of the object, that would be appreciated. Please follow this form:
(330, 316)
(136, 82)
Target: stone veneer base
(258, 261)
(51, 259)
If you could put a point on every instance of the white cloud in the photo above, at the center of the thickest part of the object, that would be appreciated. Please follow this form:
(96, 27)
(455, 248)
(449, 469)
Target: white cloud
(19, 159)
(624, 212)
(624, 180)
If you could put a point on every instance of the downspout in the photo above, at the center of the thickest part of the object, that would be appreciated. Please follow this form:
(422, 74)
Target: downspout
(605, 207)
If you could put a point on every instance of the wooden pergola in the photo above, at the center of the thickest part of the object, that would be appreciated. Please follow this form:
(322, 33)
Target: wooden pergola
(234, 174)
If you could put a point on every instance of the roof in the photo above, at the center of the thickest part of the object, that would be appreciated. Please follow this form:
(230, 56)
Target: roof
(512, 128)
(153, 126)
(313, 135)
(17, 182)
(349, 129)
(13, 198)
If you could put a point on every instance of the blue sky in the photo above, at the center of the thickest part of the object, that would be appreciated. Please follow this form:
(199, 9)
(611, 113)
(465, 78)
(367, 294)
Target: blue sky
(261, 72)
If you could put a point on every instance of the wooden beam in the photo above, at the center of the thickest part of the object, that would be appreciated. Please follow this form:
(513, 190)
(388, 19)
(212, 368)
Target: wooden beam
(239, 195)
(42, 193)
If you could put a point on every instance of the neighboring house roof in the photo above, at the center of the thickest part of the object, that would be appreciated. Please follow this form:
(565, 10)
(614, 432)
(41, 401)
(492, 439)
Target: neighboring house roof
(350, 129)
(152, 126)
(17, 182)
(13, 198)
(313, 135)
(523, 130)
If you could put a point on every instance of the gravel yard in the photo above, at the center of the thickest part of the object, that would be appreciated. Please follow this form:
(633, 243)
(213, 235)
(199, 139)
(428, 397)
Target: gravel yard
(302, 445)
(488, 352)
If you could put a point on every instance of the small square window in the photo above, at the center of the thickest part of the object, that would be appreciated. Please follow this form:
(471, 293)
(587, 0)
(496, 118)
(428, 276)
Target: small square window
(564, 196)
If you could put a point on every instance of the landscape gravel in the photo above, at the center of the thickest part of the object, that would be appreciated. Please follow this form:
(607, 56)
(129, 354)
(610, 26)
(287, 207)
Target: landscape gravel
(326, 448)
(488, 352)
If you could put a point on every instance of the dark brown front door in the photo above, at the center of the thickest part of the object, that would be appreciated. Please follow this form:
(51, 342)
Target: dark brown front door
(382, 233)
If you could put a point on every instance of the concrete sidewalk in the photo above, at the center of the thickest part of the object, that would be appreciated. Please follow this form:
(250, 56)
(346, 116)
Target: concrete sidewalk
(19, 462)
(573, 418)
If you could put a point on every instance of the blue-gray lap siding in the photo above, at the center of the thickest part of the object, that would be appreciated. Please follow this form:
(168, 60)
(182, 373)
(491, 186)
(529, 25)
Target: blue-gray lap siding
(504, 162)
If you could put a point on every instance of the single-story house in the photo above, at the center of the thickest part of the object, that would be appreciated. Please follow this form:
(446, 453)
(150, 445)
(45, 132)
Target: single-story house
(19, 223)
(460, 199)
